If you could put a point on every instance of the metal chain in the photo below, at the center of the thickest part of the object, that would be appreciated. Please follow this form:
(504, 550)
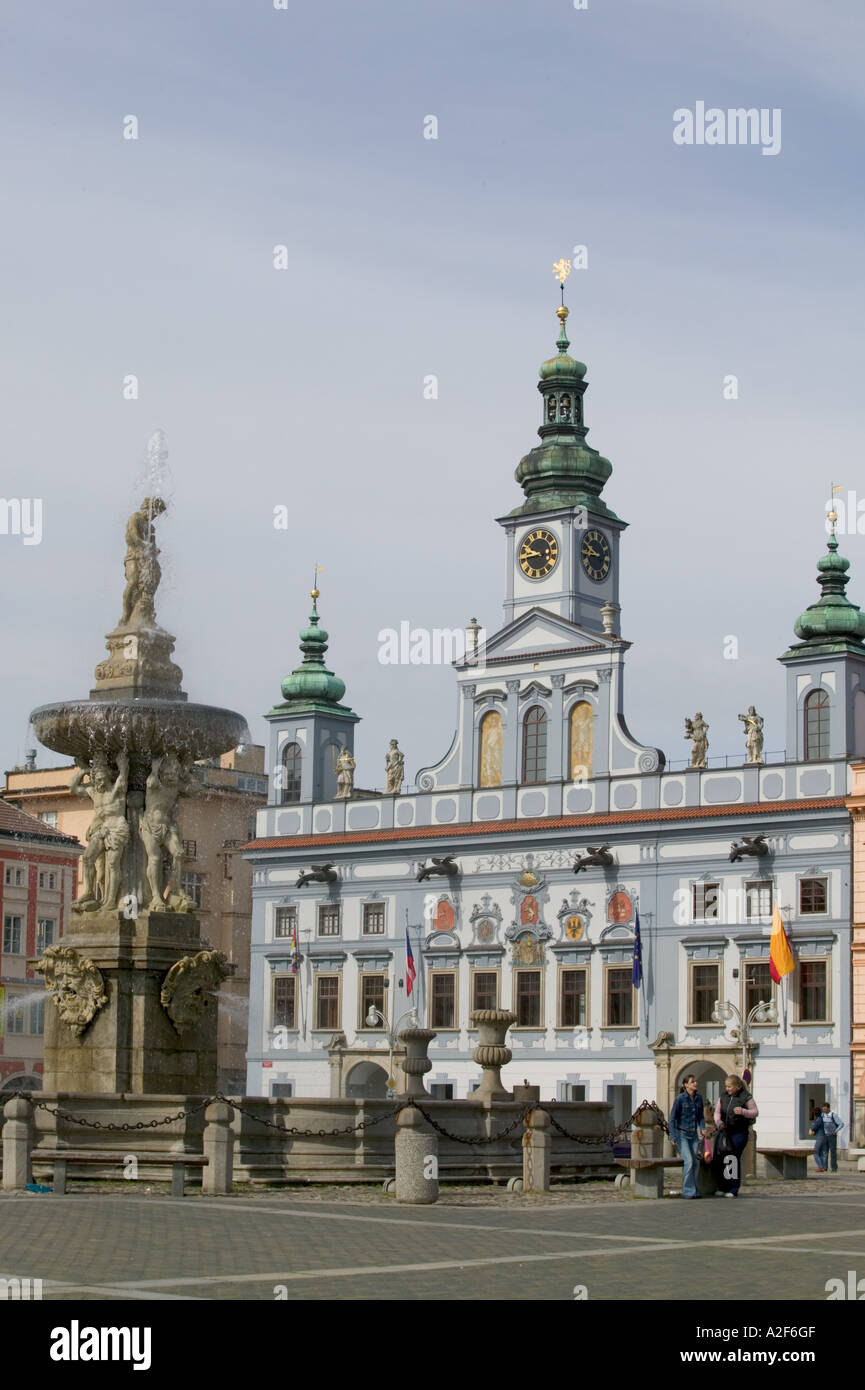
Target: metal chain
(461, 1138)
(310, 1133)
(124, 1128)
(614, 1134)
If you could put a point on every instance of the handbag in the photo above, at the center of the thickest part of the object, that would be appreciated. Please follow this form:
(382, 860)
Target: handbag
(723, 1145)
(708, 1153)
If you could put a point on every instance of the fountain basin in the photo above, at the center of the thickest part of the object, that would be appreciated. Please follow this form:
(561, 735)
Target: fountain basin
(148, 727)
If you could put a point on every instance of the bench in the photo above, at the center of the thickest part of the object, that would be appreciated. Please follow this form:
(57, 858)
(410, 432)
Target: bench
(648, 1180)
(786, 1163)
(61, 1158)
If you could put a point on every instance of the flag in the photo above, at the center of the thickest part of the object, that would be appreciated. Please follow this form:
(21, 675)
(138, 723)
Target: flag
(410, 973)
(637, 972)
(781, 960)
(294, 951)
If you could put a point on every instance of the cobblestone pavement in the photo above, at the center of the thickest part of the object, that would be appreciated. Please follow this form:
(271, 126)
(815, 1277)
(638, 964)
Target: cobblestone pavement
(780, 1240)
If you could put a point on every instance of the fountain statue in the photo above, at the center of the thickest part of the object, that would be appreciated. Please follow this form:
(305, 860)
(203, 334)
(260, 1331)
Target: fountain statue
(134, 932)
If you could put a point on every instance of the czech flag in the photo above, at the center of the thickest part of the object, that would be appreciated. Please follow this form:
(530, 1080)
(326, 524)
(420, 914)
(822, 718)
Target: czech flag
(637, 971)
(781, 960)
(410, 972)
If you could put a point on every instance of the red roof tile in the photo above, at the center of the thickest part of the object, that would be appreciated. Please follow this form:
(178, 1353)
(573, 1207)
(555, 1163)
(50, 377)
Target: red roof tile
(612, 818)
(26, 827)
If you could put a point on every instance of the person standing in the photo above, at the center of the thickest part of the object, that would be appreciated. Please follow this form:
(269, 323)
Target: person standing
(735, 1111)
(832, 1123)
(687, 1127)
(821, 1140)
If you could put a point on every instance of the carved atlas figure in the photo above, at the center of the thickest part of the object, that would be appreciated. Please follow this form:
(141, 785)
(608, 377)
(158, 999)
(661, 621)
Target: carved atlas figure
(170, 778)
(108, 833)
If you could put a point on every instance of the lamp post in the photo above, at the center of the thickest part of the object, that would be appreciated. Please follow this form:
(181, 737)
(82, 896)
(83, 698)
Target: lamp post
(376, 1016)
(762, 1012)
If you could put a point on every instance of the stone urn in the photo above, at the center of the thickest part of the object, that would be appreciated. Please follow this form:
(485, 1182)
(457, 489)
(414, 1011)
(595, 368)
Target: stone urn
(491, 1053)
(416, 1063)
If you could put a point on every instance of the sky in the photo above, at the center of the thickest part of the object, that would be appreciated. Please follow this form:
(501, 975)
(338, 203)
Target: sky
(407, 257)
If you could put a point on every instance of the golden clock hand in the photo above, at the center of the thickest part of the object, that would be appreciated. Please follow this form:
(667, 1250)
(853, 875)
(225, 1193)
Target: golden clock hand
(587, 550)
(533, 554)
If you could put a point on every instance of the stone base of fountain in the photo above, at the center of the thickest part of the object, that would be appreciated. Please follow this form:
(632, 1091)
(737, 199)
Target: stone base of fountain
(155, 1032)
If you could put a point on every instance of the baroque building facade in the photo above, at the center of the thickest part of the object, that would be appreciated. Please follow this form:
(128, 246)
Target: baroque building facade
(544, 771)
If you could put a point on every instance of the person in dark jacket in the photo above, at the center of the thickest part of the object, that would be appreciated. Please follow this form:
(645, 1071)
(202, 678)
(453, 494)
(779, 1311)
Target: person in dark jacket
(734, 1113)
(687, 1126)
(821, 1142)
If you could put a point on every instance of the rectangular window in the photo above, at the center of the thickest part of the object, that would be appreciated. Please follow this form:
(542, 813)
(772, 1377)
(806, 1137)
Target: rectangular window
(282, 1088)
(14, 877)
(41, 878)
(485, 989)
(373, 919)
(813, 895)
(758, 986)
(15, 1021)
(572, 998)
(620, 998)
(527, 998)
(622, 1100)
(442, 1090)
(327, 1001)
(48, 818)
(704, 992)
(813, 1000)
(443, 991)
(574, 1092)
(193, 886)
(372, 996)
(284, 1001)
(47, 879)
(705, 901)
(44, 933)
(328, 919)
(286, 921)
(758, 899)
(190, 849)
(12, 936)
(37, 1017)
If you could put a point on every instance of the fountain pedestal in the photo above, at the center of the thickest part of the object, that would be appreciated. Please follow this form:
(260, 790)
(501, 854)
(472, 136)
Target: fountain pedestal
(131, 1044)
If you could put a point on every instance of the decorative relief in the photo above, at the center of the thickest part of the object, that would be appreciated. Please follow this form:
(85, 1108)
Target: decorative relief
(485, 919)
(574, 917)
(75, 984)
(190, 987)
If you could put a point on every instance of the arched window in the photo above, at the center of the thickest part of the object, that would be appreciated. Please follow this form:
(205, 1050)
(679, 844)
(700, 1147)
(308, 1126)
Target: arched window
(291, 764)
(816, 725)
(535, 745)
(551, 410)
(564, 407)
(582, 732)
(490, 768)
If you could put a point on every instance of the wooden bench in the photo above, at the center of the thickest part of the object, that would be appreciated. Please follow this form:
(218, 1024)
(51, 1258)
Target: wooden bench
(61, 1158)
(649, 1173)
(786, 1163)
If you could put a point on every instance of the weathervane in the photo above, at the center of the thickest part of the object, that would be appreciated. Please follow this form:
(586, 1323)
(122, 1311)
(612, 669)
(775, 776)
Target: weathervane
(561, 270)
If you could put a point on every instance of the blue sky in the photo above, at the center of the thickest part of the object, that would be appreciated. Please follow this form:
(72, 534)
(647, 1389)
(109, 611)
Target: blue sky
(408, 257)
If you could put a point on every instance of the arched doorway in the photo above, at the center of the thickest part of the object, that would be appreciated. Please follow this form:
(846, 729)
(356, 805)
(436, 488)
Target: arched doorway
(710, 1079)
(367, 1081)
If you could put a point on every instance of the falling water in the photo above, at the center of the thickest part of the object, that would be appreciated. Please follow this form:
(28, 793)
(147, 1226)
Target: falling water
(21, 1001)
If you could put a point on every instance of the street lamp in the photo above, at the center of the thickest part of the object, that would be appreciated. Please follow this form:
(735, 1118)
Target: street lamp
(763, 1012)
(374, 1016)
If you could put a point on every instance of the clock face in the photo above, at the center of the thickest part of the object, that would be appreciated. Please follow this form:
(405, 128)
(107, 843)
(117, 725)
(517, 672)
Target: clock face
(595, 555)
(539, 554)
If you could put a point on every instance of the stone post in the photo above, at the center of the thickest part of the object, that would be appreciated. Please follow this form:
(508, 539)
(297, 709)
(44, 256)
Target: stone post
(17, 1144)
(416, 1063)
(217, 1175)
(536, 1152)
(491, 1053)
(417, 1167)
(646, 1142)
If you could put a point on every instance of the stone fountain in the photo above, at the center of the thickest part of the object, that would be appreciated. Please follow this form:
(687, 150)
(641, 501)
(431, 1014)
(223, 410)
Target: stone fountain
(134, 990)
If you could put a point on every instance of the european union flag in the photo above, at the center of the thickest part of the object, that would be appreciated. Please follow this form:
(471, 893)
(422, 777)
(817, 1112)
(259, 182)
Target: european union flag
(637, 972)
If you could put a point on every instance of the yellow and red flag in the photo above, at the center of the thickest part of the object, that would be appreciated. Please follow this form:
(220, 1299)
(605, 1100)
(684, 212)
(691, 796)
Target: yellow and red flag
(781, 960)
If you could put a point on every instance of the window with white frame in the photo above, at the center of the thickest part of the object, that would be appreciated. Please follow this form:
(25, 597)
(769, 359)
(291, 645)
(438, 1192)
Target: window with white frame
(619, 1002)
(573, 1012)
(813, 992)
(326, 1001)
(328, 919)
(11, 935)
(284, 1013)
(193, 886)
(442, 998)
(705, 986)
(758, 898)
(373, 919)
(286, 922)
(813, 896)
(704, 901)
(14, 877)
(45, 929)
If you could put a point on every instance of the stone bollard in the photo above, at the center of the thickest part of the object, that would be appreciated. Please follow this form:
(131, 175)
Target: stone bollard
(646, 1142)
(17, 1145)
(417, 1158)
(491, 1053)
(536, 1152)
(217, 1175)
(416, 1063)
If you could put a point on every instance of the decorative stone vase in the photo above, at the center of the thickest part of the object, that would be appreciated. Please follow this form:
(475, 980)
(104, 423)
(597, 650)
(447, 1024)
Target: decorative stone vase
(416, 1063)
(491, 1053)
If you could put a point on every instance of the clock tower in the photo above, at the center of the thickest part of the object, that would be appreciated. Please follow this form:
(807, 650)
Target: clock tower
(563, 541)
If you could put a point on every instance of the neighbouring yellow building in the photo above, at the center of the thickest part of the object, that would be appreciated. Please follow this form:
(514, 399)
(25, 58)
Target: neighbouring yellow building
(213, 826)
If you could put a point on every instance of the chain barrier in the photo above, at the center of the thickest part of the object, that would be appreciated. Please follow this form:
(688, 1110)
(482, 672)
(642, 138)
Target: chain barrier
(592, 1141)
